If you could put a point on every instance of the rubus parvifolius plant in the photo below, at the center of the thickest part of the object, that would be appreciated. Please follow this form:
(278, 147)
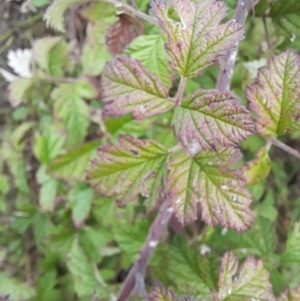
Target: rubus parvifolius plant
(125, 126)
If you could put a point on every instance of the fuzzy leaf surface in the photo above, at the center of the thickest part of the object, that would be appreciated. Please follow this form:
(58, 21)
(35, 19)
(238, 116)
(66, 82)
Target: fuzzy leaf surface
(131, 167)
(211, 118)
(275, 97)
(291, 294)
(129, 88)
(196, 39)
(149, 50)
(258, 169)
(250, 282)
(206, 180)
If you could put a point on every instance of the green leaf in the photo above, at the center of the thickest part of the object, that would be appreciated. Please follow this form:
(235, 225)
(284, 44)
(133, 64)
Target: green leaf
(211, 118)
(80, 199)
(54, 15)
(47, 195)
(15, 290)
(149, 50)
(291, 255)
(291, 294)
(251, 281)
(207, 182)
(196, 39)
(19, 91)
(275, 97)
(258, 169)
(185, 268)
(72, 164)
(129, 168)
(160, 293)
(84, 273)
(48, 144)
(129, 88)
(51, 55)
(95, 53)
(4, 186)
(70, 106)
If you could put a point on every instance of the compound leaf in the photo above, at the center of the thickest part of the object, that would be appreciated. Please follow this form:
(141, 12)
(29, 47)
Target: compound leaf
(251, 281)
(211, 118)
(129, 88)
(160, 293)
(149, 50)
(291, 255)
(196, 39)
(206, 180)
(258, 169)
(291, 294)
(72, 164)
(275, 96)
(129, 168)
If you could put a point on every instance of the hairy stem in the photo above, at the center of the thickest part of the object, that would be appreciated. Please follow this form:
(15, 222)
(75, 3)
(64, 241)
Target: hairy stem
(132, 10)
(139, 267)
(180, 91)
(285, 147)
(227, 63)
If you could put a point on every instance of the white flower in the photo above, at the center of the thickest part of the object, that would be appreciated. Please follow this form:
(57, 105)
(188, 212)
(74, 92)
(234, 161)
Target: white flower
(204, 249)
(20, 61)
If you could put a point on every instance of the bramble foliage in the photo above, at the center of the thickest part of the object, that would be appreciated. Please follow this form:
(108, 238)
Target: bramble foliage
(119, 153)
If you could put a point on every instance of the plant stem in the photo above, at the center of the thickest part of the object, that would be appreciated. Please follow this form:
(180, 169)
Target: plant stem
(139, 267)
(227, 63)
(132, 10)
(180, 91)
(285, 147)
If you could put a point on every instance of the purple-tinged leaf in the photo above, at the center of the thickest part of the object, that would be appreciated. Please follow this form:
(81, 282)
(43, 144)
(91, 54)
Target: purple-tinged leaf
(258, 169)
(196, 39)
(206, 180)
(251, 282)
(275, 96)
(131, 167)
(291, 294)
(129, 88)
(160, 293)
(211, 118)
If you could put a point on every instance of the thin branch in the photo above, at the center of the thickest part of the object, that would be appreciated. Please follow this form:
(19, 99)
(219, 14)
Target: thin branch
(285, 147)
(227, 63)
(266, 31)
(180, 91)
(139, 267)
(132, 10)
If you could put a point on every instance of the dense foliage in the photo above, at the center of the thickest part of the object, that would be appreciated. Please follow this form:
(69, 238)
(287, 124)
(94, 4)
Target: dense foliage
(150, 153)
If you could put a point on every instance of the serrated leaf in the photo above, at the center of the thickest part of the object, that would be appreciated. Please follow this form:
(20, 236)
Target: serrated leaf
(19, 90)
(129, 168)
(15, 290)
(72, 165)
(47, 195)
(129, 88)
(196, 39)
(258, 169)
(70, 106)
(84, 275)
(291, 294)
(80, 199)
(251, 281)
(211, 118)
(54, 15)
(149, 50)
(160, 293)
(185, 268)
(275, 97)
(95, 53)
(207, 182)
(291, 255)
